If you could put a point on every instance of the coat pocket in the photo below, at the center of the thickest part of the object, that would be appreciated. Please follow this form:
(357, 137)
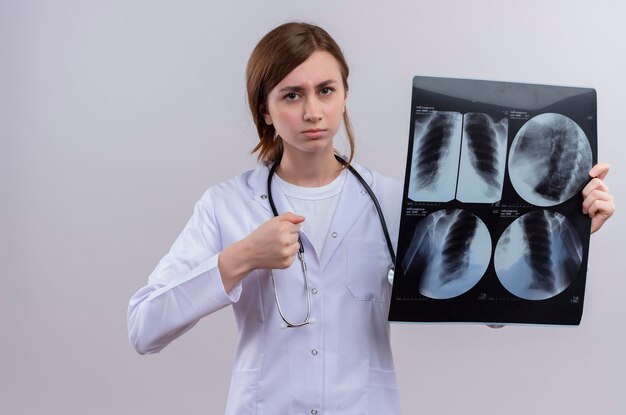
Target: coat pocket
(368, 266)
(242, 396)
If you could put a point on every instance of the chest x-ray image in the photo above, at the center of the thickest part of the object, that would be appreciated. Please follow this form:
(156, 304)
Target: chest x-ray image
(458, 156)
(436, 156)
(450, 251)
(483, 158)
(492, 229)
(549, 159)
(538, 255)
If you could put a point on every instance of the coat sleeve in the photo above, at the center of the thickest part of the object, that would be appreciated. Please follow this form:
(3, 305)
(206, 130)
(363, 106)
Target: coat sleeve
(185, 286)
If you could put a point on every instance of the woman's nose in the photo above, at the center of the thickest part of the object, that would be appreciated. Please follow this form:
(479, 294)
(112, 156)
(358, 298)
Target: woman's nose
(312, 110)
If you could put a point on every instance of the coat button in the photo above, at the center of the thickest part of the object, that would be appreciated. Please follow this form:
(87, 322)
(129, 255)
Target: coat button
(313, 412)
(314, 352)
(263, 197)
(314, 290)
(334, 234)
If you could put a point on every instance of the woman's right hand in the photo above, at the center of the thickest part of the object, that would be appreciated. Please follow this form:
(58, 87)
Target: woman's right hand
(273, 245)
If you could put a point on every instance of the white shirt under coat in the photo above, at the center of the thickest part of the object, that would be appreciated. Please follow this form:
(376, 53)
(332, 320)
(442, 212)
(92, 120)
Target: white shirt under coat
(339, 365)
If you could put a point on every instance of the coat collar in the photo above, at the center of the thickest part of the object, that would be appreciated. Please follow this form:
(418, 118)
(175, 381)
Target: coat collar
(352, 201)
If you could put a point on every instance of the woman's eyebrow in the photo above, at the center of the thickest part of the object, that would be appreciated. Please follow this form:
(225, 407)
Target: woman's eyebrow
(297, 88)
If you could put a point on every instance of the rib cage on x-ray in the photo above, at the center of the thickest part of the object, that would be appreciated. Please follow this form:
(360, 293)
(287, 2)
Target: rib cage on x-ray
(538, 255)
(483, 158)
(448, 146)
(449, 253)
(435, 156)
(549, 160)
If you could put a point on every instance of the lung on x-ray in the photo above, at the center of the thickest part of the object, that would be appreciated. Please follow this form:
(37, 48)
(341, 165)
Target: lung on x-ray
(492, 229)
(458, 156)
(450, 250)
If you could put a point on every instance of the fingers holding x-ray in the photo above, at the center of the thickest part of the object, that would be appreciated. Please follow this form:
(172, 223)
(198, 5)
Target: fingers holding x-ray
(449, 253)
(538, 255)
(435, 156)
(483, 158)
(549, 160)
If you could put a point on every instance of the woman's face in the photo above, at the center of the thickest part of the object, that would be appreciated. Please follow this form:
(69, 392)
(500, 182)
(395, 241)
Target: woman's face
(306, 107)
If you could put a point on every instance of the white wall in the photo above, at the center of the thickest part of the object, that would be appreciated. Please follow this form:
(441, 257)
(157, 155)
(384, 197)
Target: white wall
(114, 118)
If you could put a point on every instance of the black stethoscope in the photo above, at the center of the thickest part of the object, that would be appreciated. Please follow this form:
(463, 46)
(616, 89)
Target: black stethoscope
(392, 254)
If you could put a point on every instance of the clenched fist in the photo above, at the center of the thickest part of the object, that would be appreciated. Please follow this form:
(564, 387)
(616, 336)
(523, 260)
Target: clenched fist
(272, 245)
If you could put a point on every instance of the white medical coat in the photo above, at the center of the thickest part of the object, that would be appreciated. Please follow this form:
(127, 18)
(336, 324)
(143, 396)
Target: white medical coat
(340, 364)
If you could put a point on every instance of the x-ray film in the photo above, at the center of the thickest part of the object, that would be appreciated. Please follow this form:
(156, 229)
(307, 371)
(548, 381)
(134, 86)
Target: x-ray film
(492, 229)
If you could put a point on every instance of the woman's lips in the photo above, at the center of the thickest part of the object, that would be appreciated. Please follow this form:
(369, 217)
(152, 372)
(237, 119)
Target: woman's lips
(314, 133)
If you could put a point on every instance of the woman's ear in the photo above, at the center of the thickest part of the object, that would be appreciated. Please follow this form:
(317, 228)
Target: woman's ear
(266, 115)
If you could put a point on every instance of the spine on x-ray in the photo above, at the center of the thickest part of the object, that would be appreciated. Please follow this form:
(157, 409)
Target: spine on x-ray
(456, 248)
(559, 175)
(483, 147)
(539, 250)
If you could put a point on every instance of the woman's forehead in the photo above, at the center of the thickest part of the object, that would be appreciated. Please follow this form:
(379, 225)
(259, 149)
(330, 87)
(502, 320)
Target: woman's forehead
(319, 68)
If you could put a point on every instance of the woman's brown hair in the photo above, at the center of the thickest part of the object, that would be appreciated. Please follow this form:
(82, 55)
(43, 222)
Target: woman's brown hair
(274, 57)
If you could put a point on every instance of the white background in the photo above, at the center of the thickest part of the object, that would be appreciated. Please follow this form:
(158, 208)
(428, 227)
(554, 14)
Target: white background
(114, 118)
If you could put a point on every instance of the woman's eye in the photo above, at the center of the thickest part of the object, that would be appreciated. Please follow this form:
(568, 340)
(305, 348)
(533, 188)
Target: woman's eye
(292, 96)
(326, 91)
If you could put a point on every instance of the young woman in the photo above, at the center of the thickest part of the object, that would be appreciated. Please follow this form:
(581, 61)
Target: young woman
(309, 289)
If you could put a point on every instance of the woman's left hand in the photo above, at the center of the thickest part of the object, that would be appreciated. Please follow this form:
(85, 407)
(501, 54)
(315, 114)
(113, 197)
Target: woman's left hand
(598, 202)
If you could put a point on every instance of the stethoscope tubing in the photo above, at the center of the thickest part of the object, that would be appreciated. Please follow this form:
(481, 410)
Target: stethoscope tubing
(383, 224)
